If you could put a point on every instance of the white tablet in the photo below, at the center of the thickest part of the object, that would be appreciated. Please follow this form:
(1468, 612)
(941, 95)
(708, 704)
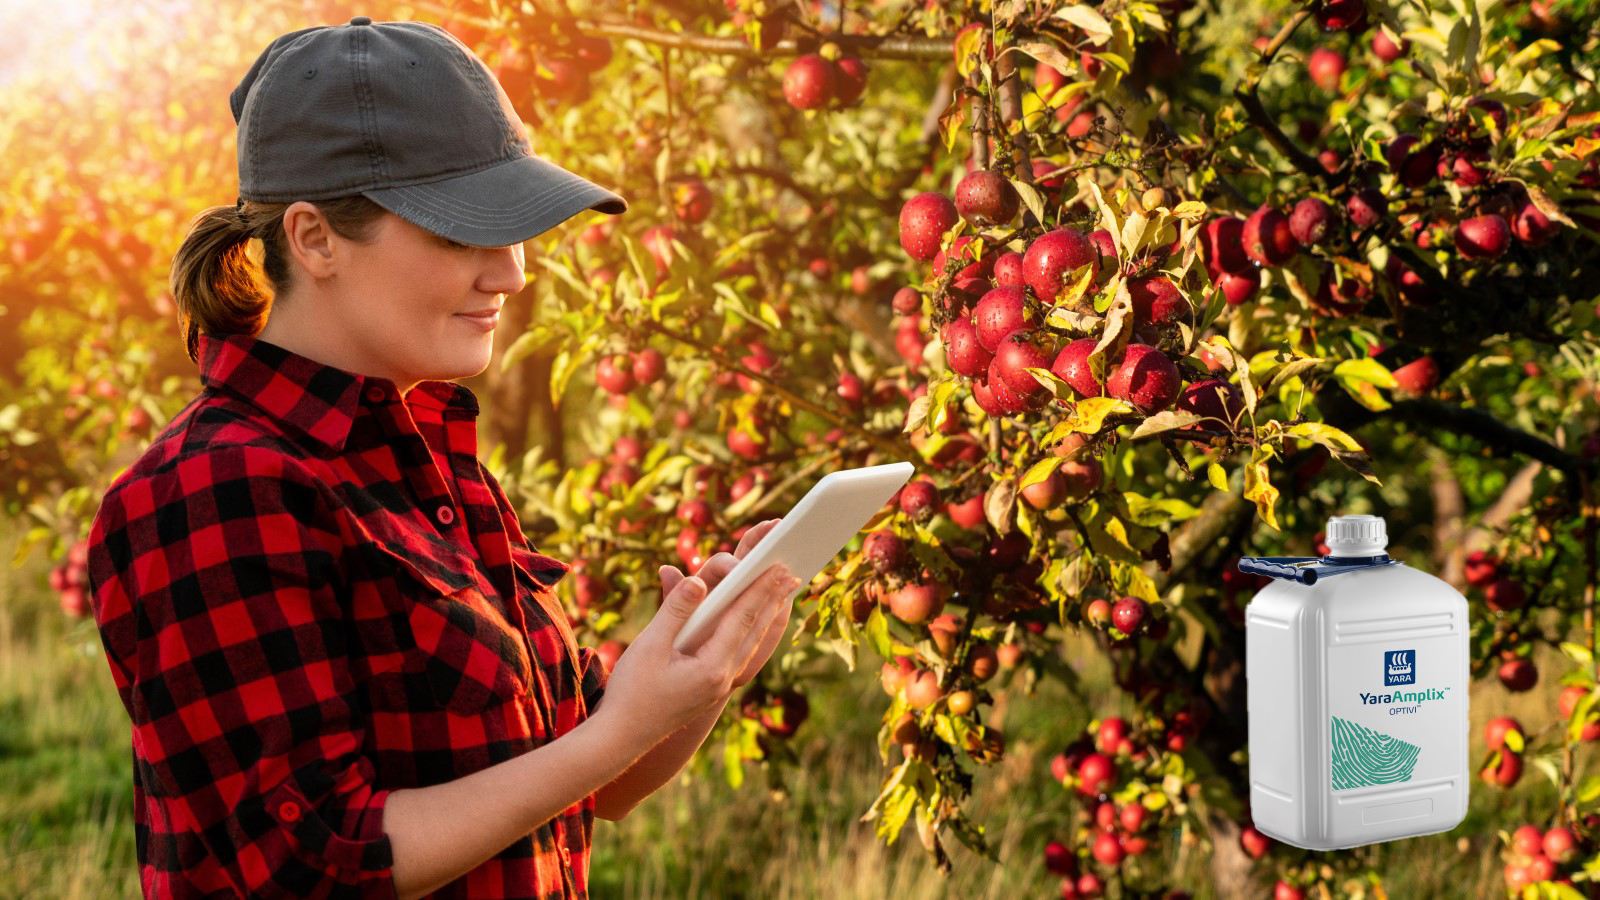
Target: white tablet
(809, 537)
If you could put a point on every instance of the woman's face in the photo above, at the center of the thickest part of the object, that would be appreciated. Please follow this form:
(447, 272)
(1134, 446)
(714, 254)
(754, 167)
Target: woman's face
(408, 306)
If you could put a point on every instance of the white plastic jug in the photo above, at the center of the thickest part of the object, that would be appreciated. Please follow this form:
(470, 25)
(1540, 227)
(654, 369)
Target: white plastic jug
(1357, 671)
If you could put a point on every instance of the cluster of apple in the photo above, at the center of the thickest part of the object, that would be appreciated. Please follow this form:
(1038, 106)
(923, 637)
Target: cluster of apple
(619, 373)
(1505, 739)
(917, 682)
(994, 339)
(1237, 589)
(1109, 832)
(1534, 856)
(995, 566)
(770, 18)
(70, 579)
(780, 713)
(555, 65)
(1501, 592)
(1458, 154)
(816, 80)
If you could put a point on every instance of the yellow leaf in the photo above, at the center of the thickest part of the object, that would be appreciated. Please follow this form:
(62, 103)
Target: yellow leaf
(1089, 19)
(1259, 490)
(1217, 476)
(1090, 414)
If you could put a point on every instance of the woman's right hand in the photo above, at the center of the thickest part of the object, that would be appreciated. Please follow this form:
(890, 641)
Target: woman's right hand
(654, 690)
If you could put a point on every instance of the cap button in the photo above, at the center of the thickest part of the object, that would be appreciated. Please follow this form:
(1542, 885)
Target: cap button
(361, 20)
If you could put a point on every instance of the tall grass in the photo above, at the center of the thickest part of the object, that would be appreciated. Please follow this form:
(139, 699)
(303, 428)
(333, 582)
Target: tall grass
(66, 818)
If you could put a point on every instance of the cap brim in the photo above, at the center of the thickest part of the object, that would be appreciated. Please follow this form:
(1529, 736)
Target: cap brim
(499, 206)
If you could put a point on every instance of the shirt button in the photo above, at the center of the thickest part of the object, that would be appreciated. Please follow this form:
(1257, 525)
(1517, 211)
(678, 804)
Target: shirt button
(445, 515)
(375, 394)
(566, 856)
(289, 810)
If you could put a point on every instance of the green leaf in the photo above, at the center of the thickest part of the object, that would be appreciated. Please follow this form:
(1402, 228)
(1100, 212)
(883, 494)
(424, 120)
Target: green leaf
(1579, 653)
(1165, 421)
(1588, 790)
(769, 315)
(1580, 717)
(1326, 435)
(1366, 370)
(940, 405)
(1157, 511)
(877, 633)
(736, 250)
(1030, 198)
(35, 536)
(901, 781)
(1059, 389)
(1040, 471)
(1294, 368)
(732, 758)
(1342, 446)
(1531, 53)
(520, 349)
(1114, 61)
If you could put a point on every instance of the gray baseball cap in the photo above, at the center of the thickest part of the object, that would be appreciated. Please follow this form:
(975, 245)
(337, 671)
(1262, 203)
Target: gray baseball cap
(406, 115)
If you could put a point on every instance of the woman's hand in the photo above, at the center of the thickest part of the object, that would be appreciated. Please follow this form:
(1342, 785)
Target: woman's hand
(713, 570)
(654, 690)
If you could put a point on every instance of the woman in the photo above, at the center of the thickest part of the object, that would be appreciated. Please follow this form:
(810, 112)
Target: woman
(346, 670)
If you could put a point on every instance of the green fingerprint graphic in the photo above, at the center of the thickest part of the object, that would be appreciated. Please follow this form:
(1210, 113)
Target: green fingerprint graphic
(1362, 756)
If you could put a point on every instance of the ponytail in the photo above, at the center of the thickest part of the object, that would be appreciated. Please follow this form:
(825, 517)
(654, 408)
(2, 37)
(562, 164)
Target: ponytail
(219, 289)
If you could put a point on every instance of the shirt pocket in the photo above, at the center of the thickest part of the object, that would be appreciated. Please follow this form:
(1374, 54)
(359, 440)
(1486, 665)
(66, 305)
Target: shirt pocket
(458, 651)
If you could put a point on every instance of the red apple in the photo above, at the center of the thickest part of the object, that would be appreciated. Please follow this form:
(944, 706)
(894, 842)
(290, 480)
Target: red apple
(808, 83)
(923, 221)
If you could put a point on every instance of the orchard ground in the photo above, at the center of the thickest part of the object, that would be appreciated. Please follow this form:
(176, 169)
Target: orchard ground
(66, 826)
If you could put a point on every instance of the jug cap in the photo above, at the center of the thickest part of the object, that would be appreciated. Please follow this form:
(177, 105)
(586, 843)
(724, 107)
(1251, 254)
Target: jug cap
(1356, 536)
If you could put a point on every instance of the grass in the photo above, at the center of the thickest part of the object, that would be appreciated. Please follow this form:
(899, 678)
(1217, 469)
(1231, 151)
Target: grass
(66, 818)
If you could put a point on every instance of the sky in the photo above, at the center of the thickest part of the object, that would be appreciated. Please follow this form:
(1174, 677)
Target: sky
(61, 34)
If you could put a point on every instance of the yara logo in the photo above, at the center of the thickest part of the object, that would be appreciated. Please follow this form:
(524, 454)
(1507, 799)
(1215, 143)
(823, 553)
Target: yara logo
(1399, 667)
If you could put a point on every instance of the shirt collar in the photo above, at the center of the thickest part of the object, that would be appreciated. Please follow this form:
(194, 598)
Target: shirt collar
(309, 397)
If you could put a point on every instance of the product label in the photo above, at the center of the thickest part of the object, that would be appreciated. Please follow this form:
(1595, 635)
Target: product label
(1387, 713)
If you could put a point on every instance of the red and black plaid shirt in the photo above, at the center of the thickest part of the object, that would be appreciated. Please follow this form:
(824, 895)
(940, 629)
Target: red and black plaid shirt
(312, 593)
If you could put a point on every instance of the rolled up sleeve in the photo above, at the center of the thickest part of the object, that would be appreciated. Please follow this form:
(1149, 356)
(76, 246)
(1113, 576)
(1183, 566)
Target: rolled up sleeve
(217, 591)
(592, 671)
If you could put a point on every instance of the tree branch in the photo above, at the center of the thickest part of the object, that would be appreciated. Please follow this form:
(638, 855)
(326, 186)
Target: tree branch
(723, 362)
(1257, 114)
(1219, 514)
(1248, 96)
(1500, 438)
(781, 178)
(902, 47)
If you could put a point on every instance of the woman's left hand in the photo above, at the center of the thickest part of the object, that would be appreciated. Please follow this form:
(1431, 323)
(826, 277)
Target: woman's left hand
(713, 570)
